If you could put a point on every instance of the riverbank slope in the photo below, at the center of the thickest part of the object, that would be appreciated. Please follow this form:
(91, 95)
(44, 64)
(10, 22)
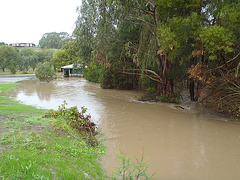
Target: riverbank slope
(32, 147)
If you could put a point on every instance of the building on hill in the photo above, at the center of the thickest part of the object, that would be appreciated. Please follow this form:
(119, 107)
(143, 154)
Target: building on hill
(22, 44)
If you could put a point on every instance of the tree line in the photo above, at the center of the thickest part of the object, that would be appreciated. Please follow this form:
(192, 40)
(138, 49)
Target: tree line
(160, 46)
(22, 59)
(25, 58)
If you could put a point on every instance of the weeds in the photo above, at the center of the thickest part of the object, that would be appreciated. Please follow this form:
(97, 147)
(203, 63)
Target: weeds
(131, 170)
(75, 119)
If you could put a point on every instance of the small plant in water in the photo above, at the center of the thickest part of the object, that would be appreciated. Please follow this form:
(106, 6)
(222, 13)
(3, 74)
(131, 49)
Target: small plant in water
(131, 170)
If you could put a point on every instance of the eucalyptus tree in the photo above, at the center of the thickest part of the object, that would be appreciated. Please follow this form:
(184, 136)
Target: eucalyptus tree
(60, 58)
(176, 32)
(45, 54)
(54, 40)
(158, 39)
(85, 29)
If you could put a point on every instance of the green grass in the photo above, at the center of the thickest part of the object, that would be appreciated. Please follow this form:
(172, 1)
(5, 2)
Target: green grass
(6, 87)
(32, 147)
(50, 155)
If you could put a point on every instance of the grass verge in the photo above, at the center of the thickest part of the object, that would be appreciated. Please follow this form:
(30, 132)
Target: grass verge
(32, 147)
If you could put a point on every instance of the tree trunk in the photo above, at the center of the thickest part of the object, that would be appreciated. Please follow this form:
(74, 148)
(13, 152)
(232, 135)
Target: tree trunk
(191, 90)
(199, 91)
(164, 66)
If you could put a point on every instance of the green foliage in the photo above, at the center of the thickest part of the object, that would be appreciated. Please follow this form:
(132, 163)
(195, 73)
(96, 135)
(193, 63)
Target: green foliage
(72, 51)
(171, 8)
(93, 72)
(8, 57)
(173, 99)
(75, 119)
(151, 91)
(131, 170)
(158, 39)
(45, 72)
(167, 38)
(45, 54)
(21, 59)
(216, 39)
(85, 29)
(2, 44)
(60, 58)
(229, 18)
(54, 40)
(114, 79)
(28, 58)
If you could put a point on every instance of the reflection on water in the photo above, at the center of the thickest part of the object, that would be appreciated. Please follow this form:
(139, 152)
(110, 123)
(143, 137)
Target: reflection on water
(179, 144)
(51, 95)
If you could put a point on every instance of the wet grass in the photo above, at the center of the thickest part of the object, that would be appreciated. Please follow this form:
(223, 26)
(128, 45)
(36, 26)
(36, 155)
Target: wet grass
(7, 87)
(32, 147)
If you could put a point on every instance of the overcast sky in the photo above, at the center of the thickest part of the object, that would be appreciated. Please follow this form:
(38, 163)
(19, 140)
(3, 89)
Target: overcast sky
(25, 21)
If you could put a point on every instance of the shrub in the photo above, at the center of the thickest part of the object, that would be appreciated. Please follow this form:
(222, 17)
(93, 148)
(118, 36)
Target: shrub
(93, 72)
(172, 99)
(151, 91)
(77, 120)
(45, 72)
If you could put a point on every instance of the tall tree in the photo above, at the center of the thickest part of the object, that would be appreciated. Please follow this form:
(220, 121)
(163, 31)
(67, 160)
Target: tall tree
(60, 58)
(54, 40)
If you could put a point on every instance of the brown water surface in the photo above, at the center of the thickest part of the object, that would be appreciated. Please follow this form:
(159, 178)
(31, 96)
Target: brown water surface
(179, 144)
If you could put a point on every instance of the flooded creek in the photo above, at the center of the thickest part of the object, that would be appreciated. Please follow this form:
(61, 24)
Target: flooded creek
(179, 144)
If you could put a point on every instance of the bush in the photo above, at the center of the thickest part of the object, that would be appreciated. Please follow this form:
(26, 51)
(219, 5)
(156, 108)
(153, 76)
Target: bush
(151, 91)
(45, 72)
(93, 72)
(223, 94)
(77, 120)
(173, 99)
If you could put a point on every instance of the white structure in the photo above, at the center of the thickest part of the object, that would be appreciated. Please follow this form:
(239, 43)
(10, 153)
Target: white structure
(22, 44)
(71, 70)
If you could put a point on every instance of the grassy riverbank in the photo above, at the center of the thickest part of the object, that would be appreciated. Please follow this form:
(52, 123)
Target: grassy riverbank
(32, 147)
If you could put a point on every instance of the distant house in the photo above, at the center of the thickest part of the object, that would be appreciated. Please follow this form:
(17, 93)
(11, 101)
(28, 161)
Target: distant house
(22, 44)
(72, 71)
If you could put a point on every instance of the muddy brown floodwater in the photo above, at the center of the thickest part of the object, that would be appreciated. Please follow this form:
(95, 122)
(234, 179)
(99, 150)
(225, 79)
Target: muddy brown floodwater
(179, 144)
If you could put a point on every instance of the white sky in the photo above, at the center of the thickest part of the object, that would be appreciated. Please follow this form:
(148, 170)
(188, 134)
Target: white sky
(25, 21)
